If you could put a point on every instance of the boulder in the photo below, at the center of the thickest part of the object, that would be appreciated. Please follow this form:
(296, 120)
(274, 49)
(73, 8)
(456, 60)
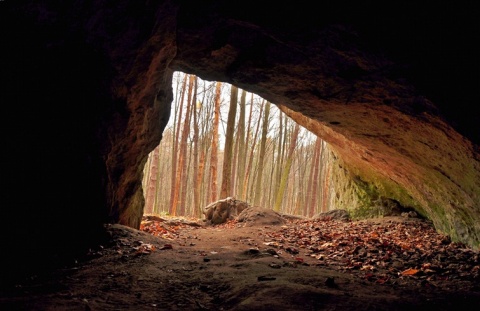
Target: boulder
(336, 214)
(223, 210)
(260, 216)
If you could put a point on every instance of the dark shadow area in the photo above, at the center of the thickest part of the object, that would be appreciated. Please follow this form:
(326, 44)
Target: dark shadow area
(53, 184)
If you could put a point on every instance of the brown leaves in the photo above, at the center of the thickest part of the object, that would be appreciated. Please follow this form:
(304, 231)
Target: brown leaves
(382, 252)
(409, 272)
(160, 229)
(144, 248)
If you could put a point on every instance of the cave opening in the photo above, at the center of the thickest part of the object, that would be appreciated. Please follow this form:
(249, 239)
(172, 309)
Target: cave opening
(276, 163)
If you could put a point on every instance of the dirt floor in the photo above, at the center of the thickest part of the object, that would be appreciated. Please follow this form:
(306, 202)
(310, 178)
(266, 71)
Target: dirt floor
(262, 263)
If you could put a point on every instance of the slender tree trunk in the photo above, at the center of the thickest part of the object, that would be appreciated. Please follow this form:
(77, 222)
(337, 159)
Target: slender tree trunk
(258, 187)
(205, 139)
(181, 167)
(176, 135)
(226, 188)
(196, 174)
(185, 134)
(252, 150)
(286, 170)
(233, 179)
(271, 180)
(214, 156)
(150, 182)
(326, 183)
(158, 188)
(161, 200)
(241, 143)
(242, 184)
(313, 203)
(186, 206)
(310, 184)
(308, 159)
(279, 160)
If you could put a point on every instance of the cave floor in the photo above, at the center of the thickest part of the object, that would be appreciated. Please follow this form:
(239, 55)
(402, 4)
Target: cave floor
(180, 264)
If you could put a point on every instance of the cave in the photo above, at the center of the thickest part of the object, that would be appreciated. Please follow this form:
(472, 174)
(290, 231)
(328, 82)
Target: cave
(86, 93)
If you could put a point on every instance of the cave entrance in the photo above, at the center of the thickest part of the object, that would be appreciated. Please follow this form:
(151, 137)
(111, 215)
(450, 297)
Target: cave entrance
(222, 141)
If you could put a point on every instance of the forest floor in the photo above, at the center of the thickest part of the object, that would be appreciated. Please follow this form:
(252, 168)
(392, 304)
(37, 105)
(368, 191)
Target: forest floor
(390, 263)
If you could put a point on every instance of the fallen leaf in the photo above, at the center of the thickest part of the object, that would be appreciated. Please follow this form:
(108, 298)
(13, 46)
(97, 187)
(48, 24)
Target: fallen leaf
(409, 272)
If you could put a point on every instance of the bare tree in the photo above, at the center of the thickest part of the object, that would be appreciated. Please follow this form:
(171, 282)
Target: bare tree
(315, 171)
(149, 187)
(214, 151)
(226, 188)
(241, 141)
(182, 161)
(252, 150)
(286, 169)
(261, 156)
(196, 174)
(175, 146)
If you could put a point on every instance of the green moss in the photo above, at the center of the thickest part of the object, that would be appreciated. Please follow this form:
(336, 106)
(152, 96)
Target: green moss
(369, 192)
(438, 198)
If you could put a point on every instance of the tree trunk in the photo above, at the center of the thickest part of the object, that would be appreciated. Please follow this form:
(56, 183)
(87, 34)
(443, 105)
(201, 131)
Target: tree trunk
(185, 134)
(226, 188)
(214, 151)
(286, 170)
(261, 156)
(280, 151)
(309, 193)
(150, 182)
(252, 150)
(326, 183)
(271, 180)
(176, 126)
(313, 203)
(241, 143)
(181, 166)
(196, 183)
(205, 140)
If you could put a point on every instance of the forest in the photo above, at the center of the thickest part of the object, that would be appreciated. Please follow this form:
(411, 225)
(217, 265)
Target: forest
(222, 141)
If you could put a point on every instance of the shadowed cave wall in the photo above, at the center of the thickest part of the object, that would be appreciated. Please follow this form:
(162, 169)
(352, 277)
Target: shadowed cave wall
(87, 94)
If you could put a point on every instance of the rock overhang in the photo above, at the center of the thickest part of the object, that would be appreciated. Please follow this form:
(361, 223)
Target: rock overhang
(335, 82)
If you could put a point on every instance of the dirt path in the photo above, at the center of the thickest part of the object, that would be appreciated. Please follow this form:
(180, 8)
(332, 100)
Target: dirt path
(238, 267)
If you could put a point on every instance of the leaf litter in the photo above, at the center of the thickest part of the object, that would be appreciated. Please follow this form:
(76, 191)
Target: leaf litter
(386, 252)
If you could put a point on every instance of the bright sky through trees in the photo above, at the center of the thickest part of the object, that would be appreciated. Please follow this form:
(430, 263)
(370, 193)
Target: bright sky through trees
(305, 135)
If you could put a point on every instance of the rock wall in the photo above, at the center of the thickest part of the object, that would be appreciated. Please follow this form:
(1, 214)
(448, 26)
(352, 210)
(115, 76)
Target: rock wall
(416, 168)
